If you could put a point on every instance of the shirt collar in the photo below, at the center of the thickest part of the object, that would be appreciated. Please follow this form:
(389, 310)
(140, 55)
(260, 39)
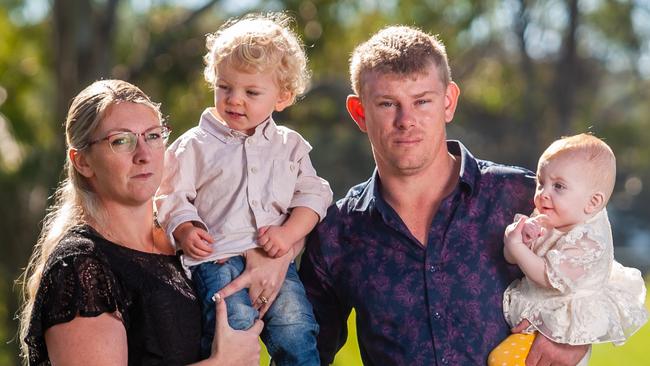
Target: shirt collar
(210, 123)
(469, 170)
(370, 192)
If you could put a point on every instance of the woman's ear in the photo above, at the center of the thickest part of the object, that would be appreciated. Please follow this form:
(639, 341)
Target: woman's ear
(596, 203)
(355, 108)
(80, 163)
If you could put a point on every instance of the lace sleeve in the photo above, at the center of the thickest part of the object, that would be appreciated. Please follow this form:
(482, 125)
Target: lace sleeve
(82, 285)
(572, 258)
(76, 285)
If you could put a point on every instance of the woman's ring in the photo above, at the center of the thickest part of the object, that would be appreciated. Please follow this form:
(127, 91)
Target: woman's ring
(263, 300)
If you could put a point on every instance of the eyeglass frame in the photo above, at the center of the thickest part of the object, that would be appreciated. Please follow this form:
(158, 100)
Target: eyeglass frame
(166, 131)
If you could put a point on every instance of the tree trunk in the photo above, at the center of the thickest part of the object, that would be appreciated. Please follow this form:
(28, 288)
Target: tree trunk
(82, 35)
(566, 75)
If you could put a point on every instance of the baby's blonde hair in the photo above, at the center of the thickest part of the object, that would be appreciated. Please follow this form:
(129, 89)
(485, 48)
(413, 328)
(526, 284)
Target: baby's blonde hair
(257, 43)
(594, 151)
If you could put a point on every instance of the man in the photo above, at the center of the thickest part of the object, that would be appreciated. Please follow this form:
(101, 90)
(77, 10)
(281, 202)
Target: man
(417, 249)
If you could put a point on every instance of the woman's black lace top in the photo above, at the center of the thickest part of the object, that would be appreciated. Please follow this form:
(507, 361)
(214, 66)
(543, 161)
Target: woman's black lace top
(87, 275)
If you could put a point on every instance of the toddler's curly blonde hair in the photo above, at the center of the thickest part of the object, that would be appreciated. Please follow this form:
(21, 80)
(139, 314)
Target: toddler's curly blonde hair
(259, 43)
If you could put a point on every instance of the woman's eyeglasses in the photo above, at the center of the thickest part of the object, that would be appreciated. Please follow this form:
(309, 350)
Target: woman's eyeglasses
(126, 141)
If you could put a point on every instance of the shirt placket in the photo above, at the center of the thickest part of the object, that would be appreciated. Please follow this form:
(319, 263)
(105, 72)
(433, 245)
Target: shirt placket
(435, 285)
(438, 291)
(253, 179)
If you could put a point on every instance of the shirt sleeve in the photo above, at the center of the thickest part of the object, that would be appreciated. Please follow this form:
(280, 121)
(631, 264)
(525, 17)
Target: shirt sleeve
(175, 196)
(330, 312)
(76, 285)
(310, 190)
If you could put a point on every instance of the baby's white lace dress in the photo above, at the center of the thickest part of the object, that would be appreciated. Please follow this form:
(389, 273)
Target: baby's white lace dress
(593, 298)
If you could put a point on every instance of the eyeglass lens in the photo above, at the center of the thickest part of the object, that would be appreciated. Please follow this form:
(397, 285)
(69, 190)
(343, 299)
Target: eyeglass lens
(125, 142)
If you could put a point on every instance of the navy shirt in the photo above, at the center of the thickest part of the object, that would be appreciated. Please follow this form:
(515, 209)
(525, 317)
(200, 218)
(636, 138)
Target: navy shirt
(435, 305)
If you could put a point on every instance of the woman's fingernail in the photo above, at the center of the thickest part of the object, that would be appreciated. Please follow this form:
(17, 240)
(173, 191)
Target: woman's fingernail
(216, 298)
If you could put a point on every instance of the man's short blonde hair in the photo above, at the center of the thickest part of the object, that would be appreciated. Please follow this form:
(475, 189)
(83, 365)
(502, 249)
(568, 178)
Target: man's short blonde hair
(259, 43)
(400, 50)
(599, 158)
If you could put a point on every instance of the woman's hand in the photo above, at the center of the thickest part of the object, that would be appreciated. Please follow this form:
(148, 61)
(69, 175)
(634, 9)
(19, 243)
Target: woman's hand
(234, 347)
(263, 277)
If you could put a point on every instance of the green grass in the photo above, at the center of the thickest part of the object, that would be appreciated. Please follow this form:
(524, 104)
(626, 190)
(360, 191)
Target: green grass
(635, 352)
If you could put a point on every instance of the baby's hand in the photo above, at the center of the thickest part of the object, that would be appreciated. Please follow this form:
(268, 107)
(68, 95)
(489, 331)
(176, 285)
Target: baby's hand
(534, 228)
(274, 240)
(194, 240)
(514, 232)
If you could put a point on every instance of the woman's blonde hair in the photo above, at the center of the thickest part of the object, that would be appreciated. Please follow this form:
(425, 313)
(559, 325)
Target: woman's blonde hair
(74, 200)
(259, 43)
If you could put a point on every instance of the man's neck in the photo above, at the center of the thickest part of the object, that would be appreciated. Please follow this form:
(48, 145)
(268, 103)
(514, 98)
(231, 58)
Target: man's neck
(417, 197)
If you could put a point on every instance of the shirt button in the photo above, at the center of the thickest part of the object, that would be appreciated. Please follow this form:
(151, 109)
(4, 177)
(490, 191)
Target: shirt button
(434, 269)
(249, 141)
(253, 170)
(437, 316)
(254, 202)
(444, 361)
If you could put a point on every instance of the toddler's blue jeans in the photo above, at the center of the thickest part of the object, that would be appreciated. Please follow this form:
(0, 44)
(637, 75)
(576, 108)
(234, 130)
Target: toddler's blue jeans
(290, 328)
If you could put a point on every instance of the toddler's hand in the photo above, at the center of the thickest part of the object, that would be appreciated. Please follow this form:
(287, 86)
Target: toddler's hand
(194, 240)
(274, 240)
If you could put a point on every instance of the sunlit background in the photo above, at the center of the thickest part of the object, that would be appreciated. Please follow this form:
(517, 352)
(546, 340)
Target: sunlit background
(529, 72)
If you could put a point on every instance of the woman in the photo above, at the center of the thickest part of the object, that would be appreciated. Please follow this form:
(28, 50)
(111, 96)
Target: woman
(103, 286)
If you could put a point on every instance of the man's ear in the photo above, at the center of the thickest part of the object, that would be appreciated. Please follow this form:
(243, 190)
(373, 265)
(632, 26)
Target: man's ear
(80, 163)
(355, 108)
(595, 203)
(285, 99)
(451, 100)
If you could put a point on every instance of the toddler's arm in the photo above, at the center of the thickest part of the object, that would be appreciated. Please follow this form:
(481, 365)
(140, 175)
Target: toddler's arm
(517, 252)
(178, 189)
(193, 239)
(277, 240)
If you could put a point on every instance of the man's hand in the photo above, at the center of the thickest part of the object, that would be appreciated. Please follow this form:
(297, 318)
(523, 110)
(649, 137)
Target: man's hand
(545, 352)
(275, 240)
(194, 240)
